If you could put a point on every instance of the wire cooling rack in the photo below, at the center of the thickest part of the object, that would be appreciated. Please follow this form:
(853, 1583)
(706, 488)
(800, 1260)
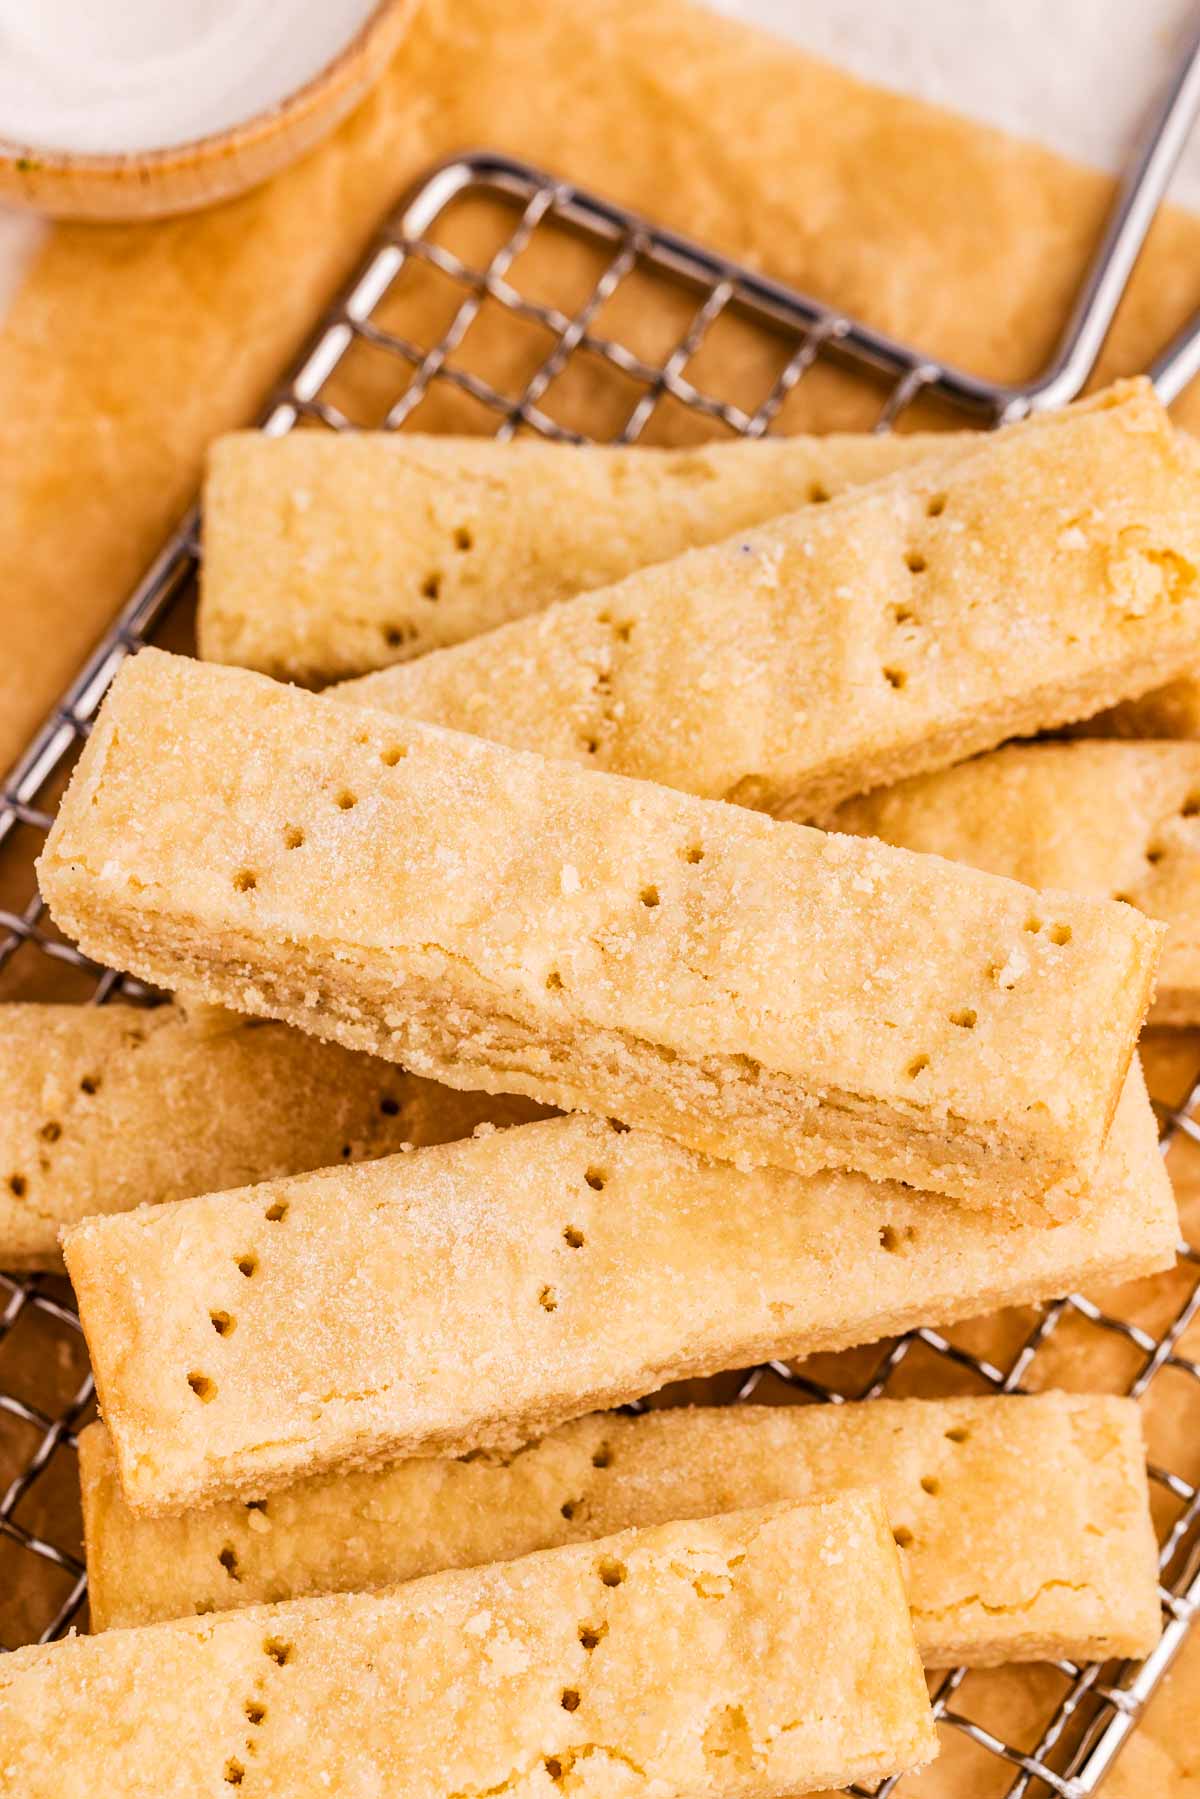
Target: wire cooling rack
(619, 353)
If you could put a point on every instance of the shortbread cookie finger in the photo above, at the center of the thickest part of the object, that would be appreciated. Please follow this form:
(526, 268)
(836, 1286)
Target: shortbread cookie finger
(758, 990)
(330, 555)
(800, 1671)
(1024, 1523)
(1117, 819)
(478, 1294)
(106, 1108)
(1172, 711)
(901, 628)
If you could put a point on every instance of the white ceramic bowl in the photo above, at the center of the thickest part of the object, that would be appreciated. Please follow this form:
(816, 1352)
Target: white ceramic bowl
(151, 184)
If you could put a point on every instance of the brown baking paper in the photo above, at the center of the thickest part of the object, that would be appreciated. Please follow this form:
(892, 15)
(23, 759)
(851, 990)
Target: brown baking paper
(128, 347)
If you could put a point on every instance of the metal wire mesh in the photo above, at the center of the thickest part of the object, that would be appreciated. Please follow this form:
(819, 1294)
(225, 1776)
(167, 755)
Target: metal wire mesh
(505, 359)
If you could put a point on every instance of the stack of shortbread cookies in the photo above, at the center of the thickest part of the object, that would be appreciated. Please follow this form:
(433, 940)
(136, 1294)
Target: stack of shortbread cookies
(641, 960)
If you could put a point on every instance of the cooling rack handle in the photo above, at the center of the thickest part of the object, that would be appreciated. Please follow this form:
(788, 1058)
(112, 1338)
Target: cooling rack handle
(1138, 198)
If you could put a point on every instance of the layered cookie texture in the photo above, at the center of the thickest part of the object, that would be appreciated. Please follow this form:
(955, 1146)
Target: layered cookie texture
(106, 1108)
(1120, 820)
(901, 628)
(475, 1295)
(1023, 1523)
(777, 1646)
(758, 990)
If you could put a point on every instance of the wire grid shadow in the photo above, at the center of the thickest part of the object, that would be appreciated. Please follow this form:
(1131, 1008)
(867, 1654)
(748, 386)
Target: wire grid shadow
(500, 300)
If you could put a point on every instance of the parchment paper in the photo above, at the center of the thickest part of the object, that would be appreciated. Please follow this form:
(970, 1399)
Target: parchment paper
(126, 349)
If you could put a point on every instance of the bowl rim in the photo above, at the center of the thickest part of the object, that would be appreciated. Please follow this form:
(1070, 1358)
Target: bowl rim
(33, 159)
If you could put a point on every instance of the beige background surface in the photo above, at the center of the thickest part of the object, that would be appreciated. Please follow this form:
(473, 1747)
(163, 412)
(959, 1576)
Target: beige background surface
(127, 348)
(1075, 75)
